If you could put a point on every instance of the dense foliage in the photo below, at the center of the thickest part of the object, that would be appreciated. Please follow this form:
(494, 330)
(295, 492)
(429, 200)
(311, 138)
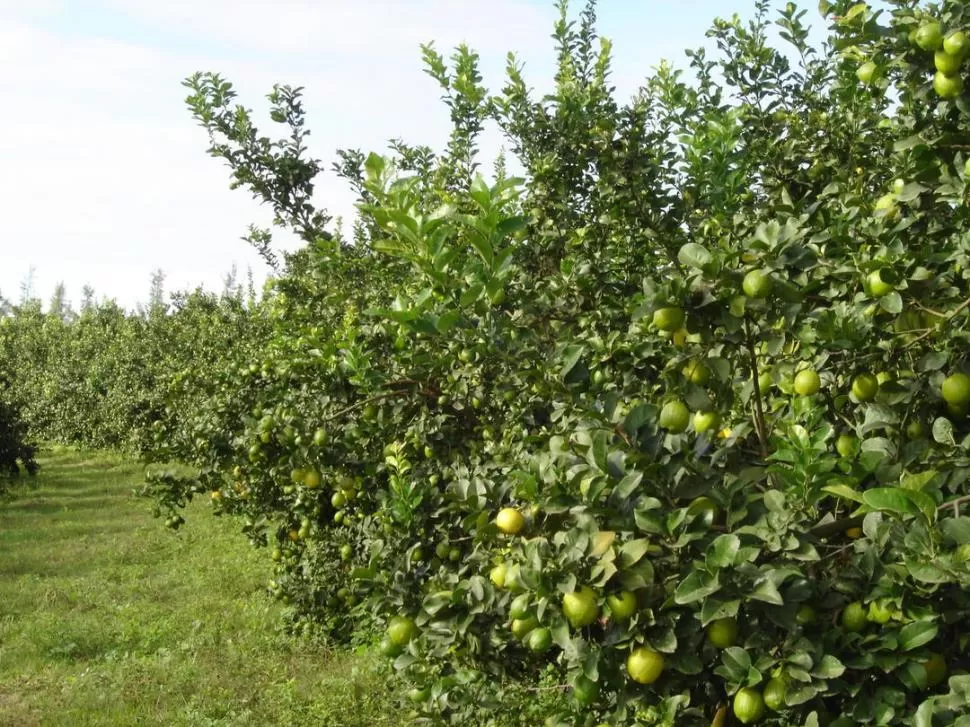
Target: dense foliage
(671, 430)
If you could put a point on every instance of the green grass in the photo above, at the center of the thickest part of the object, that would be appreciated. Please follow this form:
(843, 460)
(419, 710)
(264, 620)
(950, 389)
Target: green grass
(108, 618)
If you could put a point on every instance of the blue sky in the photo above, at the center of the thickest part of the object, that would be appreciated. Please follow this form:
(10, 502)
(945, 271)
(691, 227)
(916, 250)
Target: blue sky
(104, 175)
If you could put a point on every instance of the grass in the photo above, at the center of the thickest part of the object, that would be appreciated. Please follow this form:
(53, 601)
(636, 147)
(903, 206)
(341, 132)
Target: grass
(108, 618)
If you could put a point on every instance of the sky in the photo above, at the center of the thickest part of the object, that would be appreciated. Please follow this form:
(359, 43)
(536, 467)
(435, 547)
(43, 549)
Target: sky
(104, 175)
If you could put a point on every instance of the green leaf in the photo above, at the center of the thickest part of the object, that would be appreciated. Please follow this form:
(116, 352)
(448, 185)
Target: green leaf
(829, 668)
(632, 551)
(696, 586)
(890, 499)
(943, 431)
(916, 634)
(956, 529)
(714, 609)
(765, 590)
(737, 663)
(845, 492)
(571, 356)
(892, 303)
(721, 553)
(694, 256)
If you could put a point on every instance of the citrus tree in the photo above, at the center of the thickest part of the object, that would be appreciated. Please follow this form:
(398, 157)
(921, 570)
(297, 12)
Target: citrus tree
(674, 428)
(671, 430)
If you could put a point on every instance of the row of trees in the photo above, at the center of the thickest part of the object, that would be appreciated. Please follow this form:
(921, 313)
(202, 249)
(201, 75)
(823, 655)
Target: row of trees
(672, 430)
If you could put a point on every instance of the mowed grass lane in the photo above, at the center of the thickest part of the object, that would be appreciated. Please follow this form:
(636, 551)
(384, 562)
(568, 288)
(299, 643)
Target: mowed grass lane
(108, 618)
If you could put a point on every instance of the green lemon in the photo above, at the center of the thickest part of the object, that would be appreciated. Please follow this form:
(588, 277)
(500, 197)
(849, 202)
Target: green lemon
(644, 665)
(622, 605)
(697, 372)
(749, 706)
(865, 387)
(947, 87)
(401, 630)
(585, 690)
(847, 445)
(866, 73)
(805, 615)
(705, 421)
(876, 286)
(854, 617)
(722, 633)
(668, 319)
(945, 63)
(886, 205)
(956, 389)
(774, 694)
(957, 44)
(580, 607)
(929, 37)
(312, 479)
(807, 382)
(521, 627)
(509, 520)
(497, 575)
(674, 416)
(539, 640)
(757, 284)
(519, 608)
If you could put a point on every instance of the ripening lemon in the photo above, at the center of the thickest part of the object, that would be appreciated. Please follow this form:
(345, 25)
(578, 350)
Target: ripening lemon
(853, 533)
(722, 633)
(509, 520)
(668, 319)
(956, 389)
(679, 337)
(644, 665)
(320, 437)
(749, 706)
(757, 284)
(854, 617)
(674, 416)
(338, 500)
(807, 382)
(865, 387)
